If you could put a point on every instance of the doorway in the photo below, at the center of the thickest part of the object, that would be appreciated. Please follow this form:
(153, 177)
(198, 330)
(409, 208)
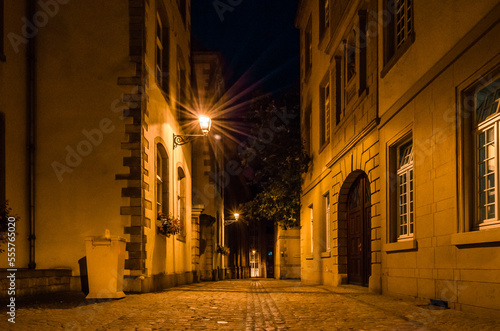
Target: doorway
(359, 232)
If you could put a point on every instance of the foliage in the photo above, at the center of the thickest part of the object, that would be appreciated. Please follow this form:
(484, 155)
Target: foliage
(5, 214)
(276, 158)
(168, 225)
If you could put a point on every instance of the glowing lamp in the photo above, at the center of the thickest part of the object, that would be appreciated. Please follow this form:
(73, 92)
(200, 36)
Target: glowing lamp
(205, 124)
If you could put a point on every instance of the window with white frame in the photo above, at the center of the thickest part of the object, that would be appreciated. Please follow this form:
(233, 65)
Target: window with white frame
(405, 186)
(403, 11)
(487, 117)
(326, 234)
(399, 31)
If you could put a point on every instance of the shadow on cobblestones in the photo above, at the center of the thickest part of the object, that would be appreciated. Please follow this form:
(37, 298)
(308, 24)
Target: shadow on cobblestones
(61, 300)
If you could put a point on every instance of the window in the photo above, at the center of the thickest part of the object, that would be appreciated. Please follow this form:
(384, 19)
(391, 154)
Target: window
(307, 130)
(181, 199)
(311, 229)
(324, 17)
(405, 190)
(401, 190)
(326, 220)
(338, 86)
(308, 49)
(325, 113)
(327, 14)
(487, 119)
(399, 32)
(363, 44)
(350, 55)
(161, 180)
(2, 54)
(403, 11)
(162, 58)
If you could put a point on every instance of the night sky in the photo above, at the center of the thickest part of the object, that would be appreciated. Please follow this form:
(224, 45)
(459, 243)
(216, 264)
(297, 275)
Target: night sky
(256, 37)
(259, 42)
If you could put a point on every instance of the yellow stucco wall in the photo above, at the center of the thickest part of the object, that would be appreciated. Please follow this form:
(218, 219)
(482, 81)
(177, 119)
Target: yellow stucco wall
(77, 102)
(13, 106)
(86, 79)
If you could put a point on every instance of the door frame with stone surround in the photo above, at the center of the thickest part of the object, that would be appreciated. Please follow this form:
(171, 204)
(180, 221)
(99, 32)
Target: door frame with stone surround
(362, 213)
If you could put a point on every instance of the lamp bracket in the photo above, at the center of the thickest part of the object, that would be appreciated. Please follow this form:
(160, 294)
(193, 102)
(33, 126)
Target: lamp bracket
(182, 139)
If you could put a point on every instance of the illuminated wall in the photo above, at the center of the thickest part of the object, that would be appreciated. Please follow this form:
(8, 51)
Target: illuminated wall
(388, 102)
(106, 102)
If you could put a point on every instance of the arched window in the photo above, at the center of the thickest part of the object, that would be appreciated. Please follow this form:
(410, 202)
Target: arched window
(161, 180)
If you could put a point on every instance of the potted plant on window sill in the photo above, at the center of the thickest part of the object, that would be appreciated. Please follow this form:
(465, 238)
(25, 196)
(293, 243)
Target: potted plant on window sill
(168, 225)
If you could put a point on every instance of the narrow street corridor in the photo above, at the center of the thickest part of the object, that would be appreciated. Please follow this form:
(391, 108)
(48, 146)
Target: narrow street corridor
(251, 304)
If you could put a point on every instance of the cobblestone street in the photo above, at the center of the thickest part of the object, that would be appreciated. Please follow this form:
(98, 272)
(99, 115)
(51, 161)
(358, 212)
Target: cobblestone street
(243, 305)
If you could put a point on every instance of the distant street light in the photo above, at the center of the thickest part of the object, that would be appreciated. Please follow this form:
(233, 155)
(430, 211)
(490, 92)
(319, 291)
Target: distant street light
(205, 125)
(236, 218)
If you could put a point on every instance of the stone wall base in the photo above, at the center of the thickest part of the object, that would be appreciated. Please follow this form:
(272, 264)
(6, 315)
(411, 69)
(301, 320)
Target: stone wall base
(31, 282)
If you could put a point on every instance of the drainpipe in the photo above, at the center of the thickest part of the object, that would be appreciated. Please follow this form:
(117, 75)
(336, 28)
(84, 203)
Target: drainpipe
(30, 120)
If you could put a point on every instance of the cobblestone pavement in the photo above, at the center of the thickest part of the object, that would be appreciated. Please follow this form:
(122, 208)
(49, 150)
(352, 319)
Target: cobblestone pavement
(257, 304)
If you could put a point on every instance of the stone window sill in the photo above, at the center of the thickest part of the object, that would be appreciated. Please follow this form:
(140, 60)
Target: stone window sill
(476, 237)
(326, 254)
(404, 245)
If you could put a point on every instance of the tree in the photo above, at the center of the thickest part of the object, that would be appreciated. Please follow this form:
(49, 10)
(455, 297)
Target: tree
(275, 159)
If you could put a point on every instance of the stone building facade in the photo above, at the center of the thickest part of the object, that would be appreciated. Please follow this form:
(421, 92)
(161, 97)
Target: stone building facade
(97, 91)
(399, 105)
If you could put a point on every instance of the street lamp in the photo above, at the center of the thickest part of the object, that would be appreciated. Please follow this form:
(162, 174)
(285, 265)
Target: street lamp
(236, 218)
(231, 221)
(205, 125)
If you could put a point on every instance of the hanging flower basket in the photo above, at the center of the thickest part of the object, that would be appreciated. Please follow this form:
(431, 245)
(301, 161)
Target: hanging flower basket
(168, 225)
(223, 250)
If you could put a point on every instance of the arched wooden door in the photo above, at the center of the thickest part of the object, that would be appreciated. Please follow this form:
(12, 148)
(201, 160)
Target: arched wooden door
(359, 232)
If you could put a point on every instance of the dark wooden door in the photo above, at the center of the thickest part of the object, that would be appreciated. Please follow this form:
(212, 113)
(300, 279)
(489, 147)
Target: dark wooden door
(358, 232)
